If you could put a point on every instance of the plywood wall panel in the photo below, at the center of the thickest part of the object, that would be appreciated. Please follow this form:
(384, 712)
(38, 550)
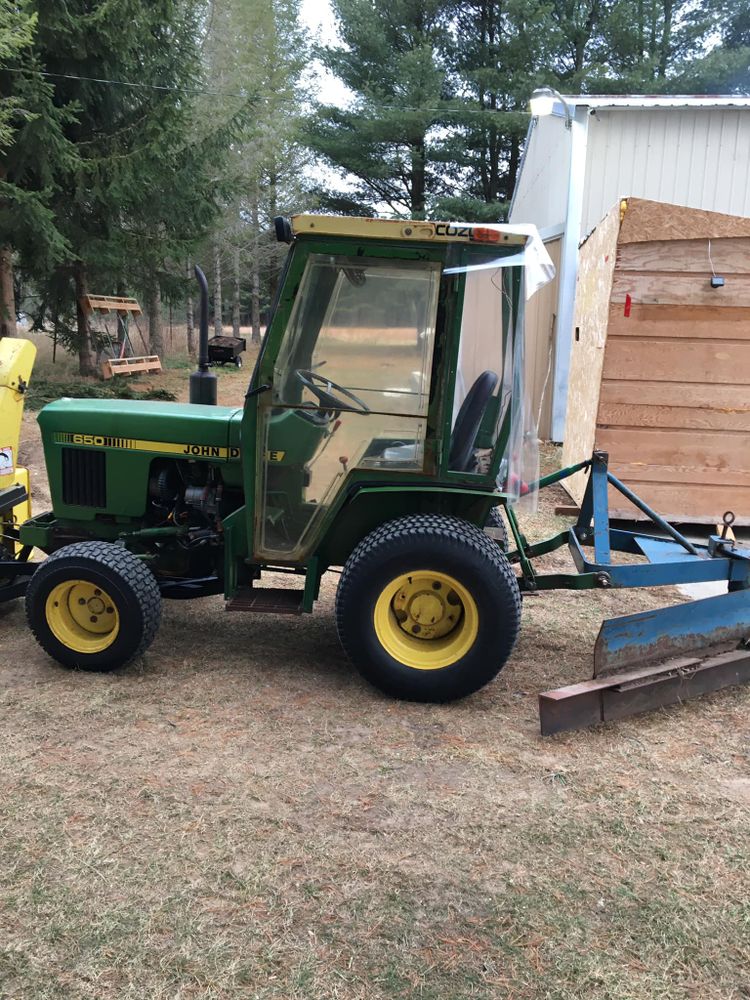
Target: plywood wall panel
(704, 322)
(729, 256)
(647, 221)
(680, 289)
(678, 456)
(596, 265)
(636, 414)
(724, 398)
(688, 360)
(673, 389)
(701, 504)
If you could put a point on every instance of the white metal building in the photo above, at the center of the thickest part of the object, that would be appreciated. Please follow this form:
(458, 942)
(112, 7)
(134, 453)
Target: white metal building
(692, 151)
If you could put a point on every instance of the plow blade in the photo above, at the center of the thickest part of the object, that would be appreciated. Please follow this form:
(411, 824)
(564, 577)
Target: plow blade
(654, 659)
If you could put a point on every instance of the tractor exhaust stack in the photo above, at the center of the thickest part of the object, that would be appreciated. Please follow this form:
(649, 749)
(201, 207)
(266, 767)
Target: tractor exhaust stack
(203, 380)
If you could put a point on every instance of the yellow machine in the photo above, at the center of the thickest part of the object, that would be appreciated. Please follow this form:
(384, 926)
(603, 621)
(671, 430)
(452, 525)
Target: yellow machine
(16, 361)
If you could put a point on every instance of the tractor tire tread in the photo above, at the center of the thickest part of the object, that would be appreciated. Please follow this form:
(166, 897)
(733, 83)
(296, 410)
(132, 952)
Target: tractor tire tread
(455, 534)
(121, 561)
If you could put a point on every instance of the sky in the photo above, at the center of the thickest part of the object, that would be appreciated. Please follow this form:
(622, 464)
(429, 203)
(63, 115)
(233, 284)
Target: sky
(318, 17)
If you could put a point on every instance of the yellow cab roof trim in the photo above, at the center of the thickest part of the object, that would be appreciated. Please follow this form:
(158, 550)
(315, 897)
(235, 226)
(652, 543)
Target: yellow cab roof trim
(408, 230)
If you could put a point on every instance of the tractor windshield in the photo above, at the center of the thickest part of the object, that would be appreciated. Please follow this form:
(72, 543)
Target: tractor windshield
(351, 386)
(353, 381)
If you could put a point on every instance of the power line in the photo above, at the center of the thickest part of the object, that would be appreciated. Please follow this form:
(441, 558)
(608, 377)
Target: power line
(123, 83)
(226, 93)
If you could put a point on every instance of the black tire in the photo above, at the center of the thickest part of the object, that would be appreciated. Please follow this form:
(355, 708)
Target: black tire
(112, 572)
(496, 520)
(238, 362)
(428, 547)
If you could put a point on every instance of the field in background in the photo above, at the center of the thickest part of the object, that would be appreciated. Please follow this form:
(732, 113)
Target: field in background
(238, 815)
(52, 380)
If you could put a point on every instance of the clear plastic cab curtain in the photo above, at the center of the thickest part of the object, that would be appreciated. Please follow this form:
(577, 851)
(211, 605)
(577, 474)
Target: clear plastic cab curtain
(492, 338)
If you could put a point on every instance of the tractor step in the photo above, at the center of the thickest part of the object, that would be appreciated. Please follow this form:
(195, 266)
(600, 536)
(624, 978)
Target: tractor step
(268, 600)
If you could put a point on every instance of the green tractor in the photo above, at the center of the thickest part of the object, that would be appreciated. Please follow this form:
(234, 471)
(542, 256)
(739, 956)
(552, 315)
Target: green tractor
(379, 433)
(383, 432)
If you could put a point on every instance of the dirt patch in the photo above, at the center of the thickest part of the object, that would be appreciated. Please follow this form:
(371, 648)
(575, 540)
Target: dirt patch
(239, 815)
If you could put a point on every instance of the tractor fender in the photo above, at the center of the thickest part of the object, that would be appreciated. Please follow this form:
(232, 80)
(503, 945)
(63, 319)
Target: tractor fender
(367, 506)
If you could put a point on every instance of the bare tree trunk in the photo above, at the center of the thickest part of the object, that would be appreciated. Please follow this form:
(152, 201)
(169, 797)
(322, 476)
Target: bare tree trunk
(7, 296)
(155, 339)
(121, 323)
(236, 299)
(217, 292)
(255, 276)
(273, 211)
(418, 179)
(55, 329)
(85, 360)
(190, 318)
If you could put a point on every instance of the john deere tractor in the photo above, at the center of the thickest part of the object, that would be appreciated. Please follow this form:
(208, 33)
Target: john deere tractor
(378, 434)
(382, 432)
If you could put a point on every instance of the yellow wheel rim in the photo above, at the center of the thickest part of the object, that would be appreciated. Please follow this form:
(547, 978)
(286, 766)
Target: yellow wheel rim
(82, 616)
(426, 620)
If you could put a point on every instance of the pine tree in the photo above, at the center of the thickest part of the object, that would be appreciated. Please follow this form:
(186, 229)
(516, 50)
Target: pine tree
(256, 49)
(476, 63)
(496, 53)
(32, 155)
(17, 23)
(136, 193)
(390, 58)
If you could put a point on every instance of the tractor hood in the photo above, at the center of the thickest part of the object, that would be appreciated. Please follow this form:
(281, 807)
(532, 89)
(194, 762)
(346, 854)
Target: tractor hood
(100, 453)
(184, 429)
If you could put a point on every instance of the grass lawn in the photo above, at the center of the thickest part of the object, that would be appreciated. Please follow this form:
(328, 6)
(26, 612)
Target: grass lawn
(238, 815)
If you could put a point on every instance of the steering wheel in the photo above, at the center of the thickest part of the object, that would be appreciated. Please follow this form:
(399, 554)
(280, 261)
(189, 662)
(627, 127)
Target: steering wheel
(321, 387)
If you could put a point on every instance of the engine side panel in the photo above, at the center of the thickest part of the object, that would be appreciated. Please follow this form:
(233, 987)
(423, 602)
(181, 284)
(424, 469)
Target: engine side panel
(99, 453)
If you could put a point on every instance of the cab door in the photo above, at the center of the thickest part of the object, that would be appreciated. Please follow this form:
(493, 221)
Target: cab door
(349, 370)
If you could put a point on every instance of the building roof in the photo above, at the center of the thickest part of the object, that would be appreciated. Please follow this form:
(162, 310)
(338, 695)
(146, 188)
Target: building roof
(629, 102)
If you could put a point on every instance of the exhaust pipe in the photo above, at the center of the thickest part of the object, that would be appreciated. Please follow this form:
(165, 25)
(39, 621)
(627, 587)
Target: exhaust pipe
(203, 380)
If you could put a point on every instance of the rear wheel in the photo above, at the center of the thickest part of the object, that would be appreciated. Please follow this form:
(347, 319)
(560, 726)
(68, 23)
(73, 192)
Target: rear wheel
(428, 608)
(93, 606)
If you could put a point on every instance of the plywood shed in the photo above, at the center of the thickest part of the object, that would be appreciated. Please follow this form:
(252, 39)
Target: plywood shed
(660, 364)
(591, 151)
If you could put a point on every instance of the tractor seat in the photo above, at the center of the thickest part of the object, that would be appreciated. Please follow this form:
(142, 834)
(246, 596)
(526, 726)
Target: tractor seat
(468, 422)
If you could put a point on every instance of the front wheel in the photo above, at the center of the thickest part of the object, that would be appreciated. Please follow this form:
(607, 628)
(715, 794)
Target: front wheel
(428, 608)
(93, 606)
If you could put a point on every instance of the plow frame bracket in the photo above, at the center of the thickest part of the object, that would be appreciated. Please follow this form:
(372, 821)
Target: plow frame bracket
(671, 561)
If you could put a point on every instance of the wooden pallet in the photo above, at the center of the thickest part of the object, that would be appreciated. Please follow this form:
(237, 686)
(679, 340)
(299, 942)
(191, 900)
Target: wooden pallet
(110, 303)
(130, 366)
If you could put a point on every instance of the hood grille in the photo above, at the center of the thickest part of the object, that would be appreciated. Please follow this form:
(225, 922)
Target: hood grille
(84, 477)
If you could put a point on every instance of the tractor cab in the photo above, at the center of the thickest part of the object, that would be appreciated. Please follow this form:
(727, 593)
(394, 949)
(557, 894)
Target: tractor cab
(395, 356)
